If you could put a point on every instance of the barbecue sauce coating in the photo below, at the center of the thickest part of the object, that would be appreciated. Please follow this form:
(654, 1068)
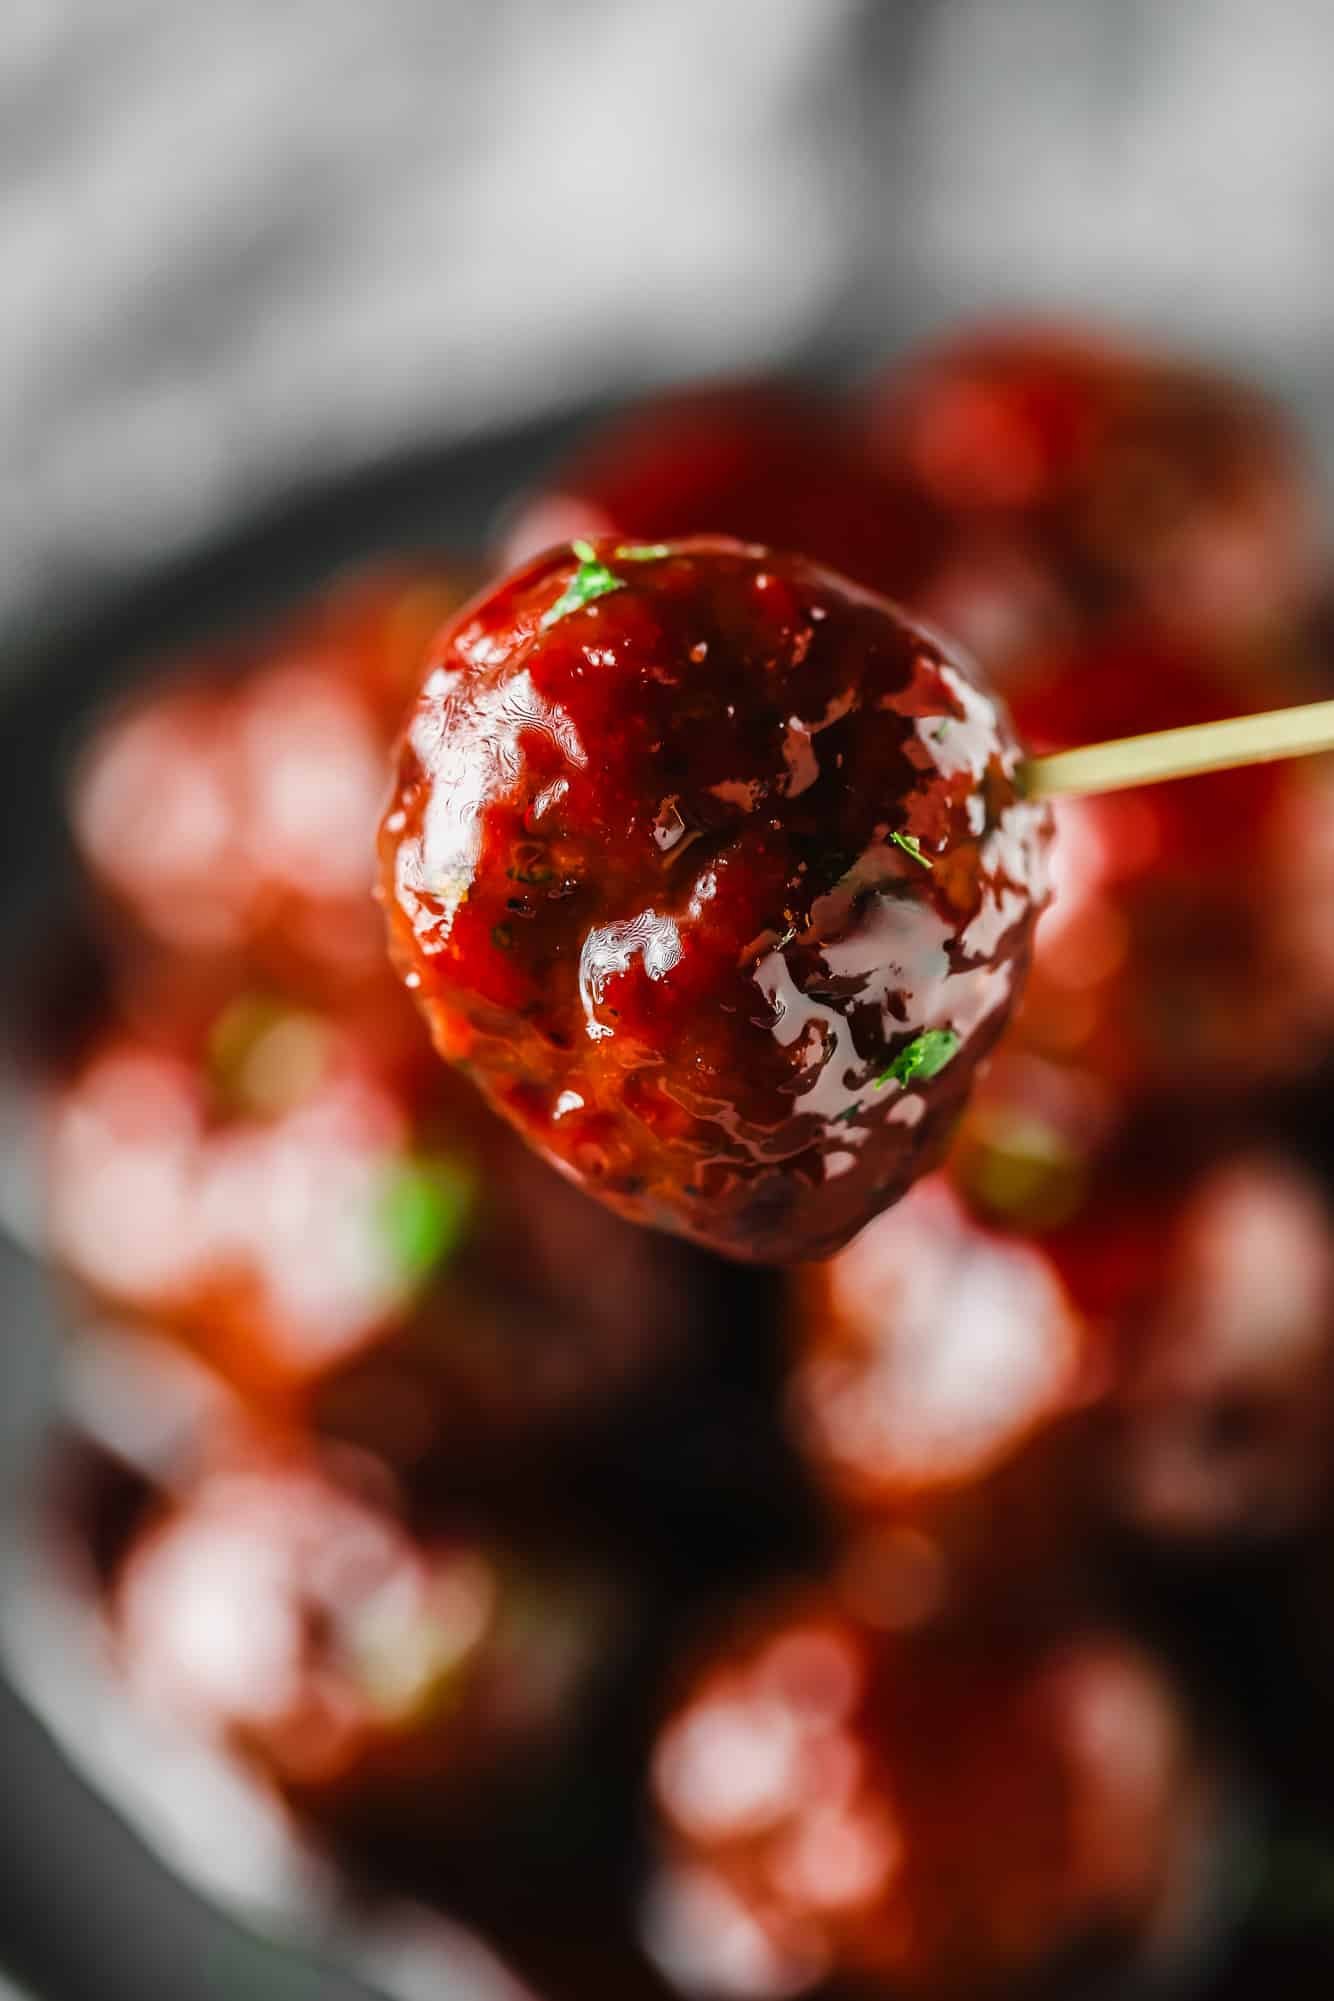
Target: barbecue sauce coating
(713, 869)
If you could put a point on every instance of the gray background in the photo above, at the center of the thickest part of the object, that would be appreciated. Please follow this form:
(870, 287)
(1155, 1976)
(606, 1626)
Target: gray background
(246, 243)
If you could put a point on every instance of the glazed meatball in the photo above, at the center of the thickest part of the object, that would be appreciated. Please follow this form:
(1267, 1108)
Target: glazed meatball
(1200, 1257)
(374, 1674)
(1224, 1415)
(941, 1390)
(344, 1240)
(229, 813)
(760, 460)
(921, 1815)
(1079, 483)
(715, 872)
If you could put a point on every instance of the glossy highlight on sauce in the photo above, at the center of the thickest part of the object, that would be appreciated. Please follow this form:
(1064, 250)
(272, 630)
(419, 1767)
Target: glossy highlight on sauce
(713, 870)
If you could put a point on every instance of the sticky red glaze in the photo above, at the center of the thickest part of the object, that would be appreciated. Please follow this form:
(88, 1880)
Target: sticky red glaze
(230, 812)
(761, 461)
(639, 868)
(376, 1676)
(1078, 482)
(943, 1815)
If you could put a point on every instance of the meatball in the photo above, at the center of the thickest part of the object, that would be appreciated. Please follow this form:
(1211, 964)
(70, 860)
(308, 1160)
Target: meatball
(758, 460)
(941, 1394)
(376, 1675)
(344, 1241)
(925, 1815)
(229, 813)
(1079, 483)
(1223, 1419)
(1201, 1258)
(715, 872)
(1178, 954)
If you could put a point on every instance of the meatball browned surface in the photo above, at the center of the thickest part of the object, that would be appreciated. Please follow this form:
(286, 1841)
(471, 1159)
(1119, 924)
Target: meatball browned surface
(714, 870)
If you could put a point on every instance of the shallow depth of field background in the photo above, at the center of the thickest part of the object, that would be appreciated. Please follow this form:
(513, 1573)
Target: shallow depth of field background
(248, 245)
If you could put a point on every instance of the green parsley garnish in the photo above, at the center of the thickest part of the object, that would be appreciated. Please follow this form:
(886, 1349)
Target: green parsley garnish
(423, 1213)
(643, 552)
(912, 846)
(592, 580)
(924, 1058)
(502, 937)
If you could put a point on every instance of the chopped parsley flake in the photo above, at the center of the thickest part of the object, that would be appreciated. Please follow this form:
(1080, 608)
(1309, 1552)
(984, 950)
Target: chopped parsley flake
(423, 1213)
(502, 937)
(912, 846)
(592, 580)
(643, 552)
(924, 1058)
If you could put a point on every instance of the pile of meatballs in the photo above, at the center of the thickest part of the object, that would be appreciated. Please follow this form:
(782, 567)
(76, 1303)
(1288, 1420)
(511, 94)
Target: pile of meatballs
(932, 1609)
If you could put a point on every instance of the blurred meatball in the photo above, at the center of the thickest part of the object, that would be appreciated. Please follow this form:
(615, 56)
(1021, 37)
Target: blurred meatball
(1224, 1417)
(1079, 483)
(760, 461)
(1202, 1257)
(942, 1375)
(230, 811)
(940, 1817)
(387, 1260)
(282, 1610)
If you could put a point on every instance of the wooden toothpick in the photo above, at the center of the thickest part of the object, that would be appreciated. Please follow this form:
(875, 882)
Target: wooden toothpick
(1181, 753)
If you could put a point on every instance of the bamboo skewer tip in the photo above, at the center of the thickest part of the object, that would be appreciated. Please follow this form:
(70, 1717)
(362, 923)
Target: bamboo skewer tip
(1160, 755)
